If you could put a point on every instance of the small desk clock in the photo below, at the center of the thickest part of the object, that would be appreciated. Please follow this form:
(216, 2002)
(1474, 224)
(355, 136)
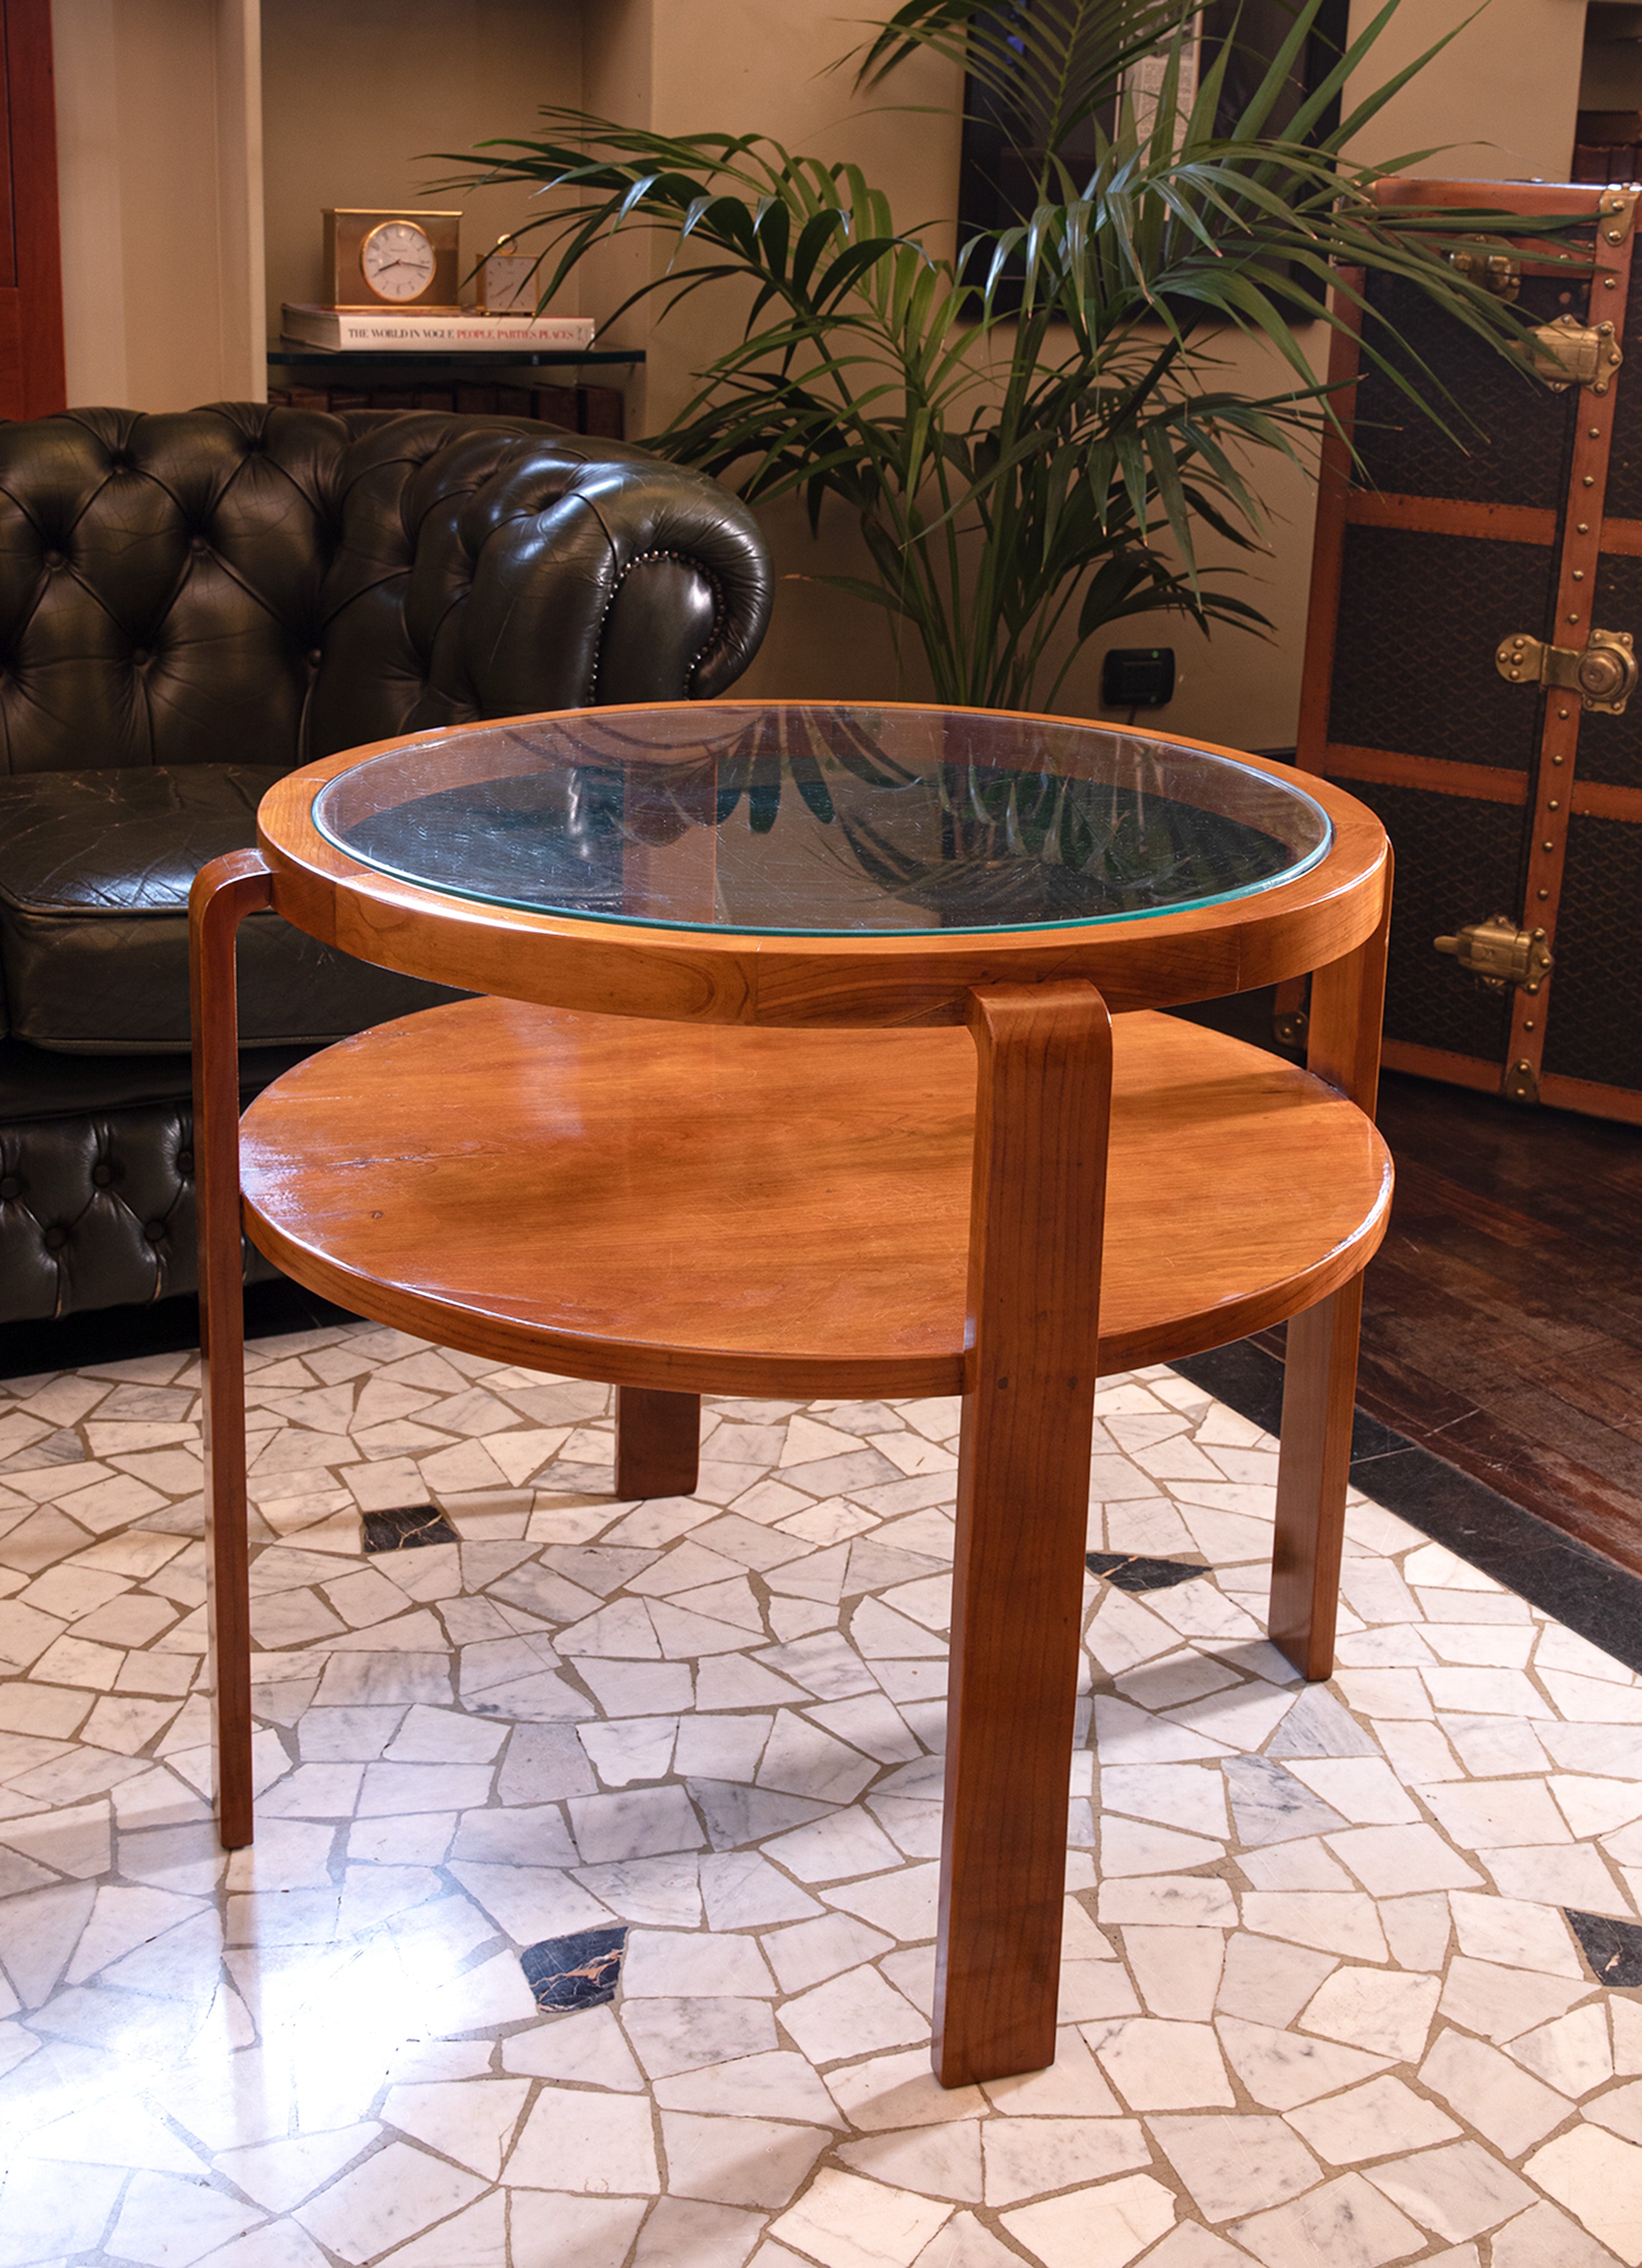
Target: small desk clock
(394, 259)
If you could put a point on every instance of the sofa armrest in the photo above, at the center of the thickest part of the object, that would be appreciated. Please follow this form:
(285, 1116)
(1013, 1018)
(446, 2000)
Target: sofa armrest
(623, 579)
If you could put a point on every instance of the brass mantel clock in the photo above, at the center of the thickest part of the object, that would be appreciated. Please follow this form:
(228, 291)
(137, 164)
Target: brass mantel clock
(406, 259)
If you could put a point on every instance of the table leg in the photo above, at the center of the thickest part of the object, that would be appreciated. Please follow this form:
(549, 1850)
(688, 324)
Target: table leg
(1042, 1115)
(224, 893)
(1320, 1370)
(657, 1442)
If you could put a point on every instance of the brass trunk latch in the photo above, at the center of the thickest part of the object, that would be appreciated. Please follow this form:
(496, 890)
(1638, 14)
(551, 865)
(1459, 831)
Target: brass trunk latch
(1569, 352)
(1603, 674)
(1500, 953)
(1615, 214)
(1495, 271)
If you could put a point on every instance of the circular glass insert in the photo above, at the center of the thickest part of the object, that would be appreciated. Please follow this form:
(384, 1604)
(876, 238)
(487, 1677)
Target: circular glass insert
(809, 820)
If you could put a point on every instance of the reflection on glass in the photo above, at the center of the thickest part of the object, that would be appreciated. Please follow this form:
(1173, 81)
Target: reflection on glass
(823, 820)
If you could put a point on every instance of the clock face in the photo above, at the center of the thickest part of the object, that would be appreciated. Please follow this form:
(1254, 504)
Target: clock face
(397, 261)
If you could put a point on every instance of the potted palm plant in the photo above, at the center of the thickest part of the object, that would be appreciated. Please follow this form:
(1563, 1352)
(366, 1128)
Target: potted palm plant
(1033, 430)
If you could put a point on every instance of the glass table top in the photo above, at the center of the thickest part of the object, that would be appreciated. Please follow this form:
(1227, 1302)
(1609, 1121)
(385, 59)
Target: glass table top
(816, 820)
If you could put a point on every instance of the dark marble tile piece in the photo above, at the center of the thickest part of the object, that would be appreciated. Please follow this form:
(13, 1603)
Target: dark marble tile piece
(1612, 1949)
(1132, 1573)
(579, 1971)
(1592, 1595)
(407, 1527)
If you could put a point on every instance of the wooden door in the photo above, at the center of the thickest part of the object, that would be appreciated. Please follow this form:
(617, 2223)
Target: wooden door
(1502, 798)
(31, 273)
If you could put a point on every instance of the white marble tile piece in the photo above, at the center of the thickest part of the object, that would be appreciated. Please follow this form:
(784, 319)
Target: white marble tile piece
(1282, 2069)
(678, 2035)
(1029, 2157)
(1506, 2105)
(1158, 2066)
(1599, 2178)
(1571, 2054)
(1346, 2223)
(1542, 2237)
(938, 2161)
(1500, 2002)
(826, 1850)
(844, 2222)
(1375, 2121)
(1457, 2192)
(1235, 2165)
(855, 2012)
(891, 2091)
(280, 2175)
(586, 2049)
(1362, 1789)
(778, 2085)
(1390, 1861)
(1177, 1971)
(1269, 1981)
(741, 2160)
(469, 2120)
(1376, 2009)
(395, 2194)
(1518, 1932)
(1102, 2228)
(596, 2143)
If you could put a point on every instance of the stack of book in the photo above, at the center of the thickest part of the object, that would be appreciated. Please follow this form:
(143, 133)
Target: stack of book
(343, 330)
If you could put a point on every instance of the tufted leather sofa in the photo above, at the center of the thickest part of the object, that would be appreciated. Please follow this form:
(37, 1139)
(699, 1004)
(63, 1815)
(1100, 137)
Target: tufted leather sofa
(192, 605)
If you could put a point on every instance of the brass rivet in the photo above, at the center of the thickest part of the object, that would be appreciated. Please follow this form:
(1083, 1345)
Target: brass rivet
(1542, 893)
(1573, 618)
(1547, 846)
(1592, 432)
(1589, 481)
(1610, 285)
(1553, 805)
(1539, 933)
(1579, 574)
(1584, 527)
(1564, 715)
(1516, 673)
(1528, 1021)
(1525, 1066)
(1556, 760)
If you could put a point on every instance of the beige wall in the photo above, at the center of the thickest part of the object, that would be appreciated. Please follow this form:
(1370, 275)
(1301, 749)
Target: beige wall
(1510, 80)
(164, 178)
(356, 92)
(159, 177)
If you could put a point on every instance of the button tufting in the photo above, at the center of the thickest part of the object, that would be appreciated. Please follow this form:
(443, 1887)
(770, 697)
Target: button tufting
(200, 543)
(102, 1174)
(185, 1162)
(155, 1231)
(140, 657)
(54, 1239)
(11, 1187)
(54, 559)
(314, 658)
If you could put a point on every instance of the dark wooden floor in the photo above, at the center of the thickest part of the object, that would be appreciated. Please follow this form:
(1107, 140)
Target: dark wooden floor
(1502, 1321)
(1502, 1324)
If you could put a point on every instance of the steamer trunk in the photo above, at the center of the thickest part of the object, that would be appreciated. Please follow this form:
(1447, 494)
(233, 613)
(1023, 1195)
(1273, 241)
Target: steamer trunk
(1502, 799)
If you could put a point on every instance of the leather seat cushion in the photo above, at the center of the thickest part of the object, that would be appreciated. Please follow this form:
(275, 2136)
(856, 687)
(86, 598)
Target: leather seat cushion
(95, 868)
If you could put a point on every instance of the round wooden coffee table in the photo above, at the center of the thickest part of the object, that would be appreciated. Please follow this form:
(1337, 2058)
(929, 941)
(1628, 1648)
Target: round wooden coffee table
(795, 1073)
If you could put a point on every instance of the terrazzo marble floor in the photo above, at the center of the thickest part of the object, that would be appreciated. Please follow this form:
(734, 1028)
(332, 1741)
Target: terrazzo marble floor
(1323, 2002)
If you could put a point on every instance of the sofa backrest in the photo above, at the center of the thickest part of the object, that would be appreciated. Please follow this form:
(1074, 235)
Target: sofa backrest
(247, 584)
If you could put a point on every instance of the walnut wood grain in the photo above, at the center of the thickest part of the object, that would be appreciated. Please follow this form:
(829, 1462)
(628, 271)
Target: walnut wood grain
(657, 1442)
(1042, 1114)
(224, 893)
(1320, 1377)
(737, 978)
(774, 1213)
